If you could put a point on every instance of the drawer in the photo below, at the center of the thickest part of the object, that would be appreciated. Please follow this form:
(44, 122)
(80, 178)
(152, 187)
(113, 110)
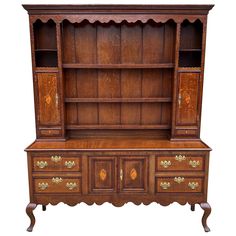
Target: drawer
(179, 185)
(57, 185)
(187, 162)
(56, 163)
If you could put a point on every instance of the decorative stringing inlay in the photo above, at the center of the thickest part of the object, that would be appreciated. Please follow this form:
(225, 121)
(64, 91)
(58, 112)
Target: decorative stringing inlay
(133, 174)
(103, 174)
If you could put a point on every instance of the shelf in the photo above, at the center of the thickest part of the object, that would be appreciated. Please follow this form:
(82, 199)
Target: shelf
(117, 66)
(190, 49)
(76, 127)
(111, 100)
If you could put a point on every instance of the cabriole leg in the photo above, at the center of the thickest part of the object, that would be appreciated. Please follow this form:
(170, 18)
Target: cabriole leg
(29, 212)
(207, 211)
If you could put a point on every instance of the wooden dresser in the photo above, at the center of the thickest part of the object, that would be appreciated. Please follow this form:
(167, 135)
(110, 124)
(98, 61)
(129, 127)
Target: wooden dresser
(118, 96)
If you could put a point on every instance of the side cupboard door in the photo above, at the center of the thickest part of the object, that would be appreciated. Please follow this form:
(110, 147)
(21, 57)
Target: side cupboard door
(48, 106)
(188, 105)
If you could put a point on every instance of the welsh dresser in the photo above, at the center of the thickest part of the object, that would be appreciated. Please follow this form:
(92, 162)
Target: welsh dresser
(118, 97)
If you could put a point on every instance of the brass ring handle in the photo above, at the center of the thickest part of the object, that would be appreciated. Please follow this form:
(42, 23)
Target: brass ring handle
(42, 164)
(57, 180)
(69, 164)
(71, 185)
(165, 163)
(165, 185)
(180, 158)
(194, 163)
(43, 186)
(56, 158)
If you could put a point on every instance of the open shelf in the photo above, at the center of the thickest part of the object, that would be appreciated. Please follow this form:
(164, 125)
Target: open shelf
(190, 52)
(75, 127)
(112, 100)
(45, 44)
(190, 58)
(117, 66)
(45, 58)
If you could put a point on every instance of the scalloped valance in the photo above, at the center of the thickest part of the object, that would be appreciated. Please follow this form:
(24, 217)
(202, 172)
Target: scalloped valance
(115, 18)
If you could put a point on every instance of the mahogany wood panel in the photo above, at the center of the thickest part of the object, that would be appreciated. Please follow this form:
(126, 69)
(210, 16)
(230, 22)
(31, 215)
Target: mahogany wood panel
(102, 174)
(49, 113)
(187, 111)
(121, 143)
(134, 174)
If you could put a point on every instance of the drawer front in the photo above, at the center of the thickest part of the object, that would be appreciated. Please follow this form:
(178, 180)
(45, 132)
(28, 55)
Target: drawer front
(56, 163)
(57, 185)
(179, 185)
(188, 162)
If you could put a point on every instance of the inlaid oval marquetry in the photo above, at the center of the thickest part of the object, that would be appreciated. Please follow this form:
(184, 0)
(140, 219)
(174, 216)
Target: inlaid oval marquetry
(103, 174)
(187, 99)
(133, 174)
(48, 99)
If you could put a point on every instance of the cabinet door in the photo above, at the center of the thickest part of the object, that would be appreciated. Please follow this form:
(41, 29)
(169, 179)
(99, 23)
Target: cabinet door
(133, 174)
(187, 113)
(48, 104)
(102, 174)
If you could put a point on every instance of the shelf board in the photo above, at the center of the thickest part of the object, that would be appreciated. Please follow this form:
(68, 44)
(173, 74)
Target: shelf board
(78, 127)
(46, 50)
(189, 69)
(111, 100)
(117, 66)
(190, 50)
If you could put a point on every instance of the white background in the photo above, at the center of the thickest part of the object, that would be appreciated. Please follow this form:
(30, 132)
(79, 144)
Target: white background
(18, 131)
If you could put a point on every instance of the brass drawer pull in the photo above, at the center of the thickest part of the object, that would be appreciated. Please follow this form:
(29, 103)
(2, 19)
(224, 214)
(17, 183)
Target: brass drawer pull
(179, 180)
(194, 163)
(165, 163)
(42, 164)
(56, 180)
(69, 164)
(56, 158)
(193, 185)
(165, 185)
(43, 186)
(180, 158)
(71, 185)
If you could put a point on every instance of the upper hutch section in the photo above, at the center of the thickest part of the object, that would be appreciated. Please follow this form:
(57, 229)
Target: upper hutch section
(103, 69)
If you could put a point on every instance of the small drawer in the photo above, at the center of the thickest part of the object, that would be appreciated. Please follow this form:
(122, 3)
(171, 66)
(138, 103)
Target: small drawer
(56, 163)
(178, 162)
(57, 185)
(179, 184)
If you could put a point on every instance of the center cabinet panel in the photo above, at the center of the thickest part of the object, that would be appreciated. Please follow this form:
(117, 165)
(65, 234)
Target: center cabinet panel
(117, 174)
(133, 174)
(102, 174)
